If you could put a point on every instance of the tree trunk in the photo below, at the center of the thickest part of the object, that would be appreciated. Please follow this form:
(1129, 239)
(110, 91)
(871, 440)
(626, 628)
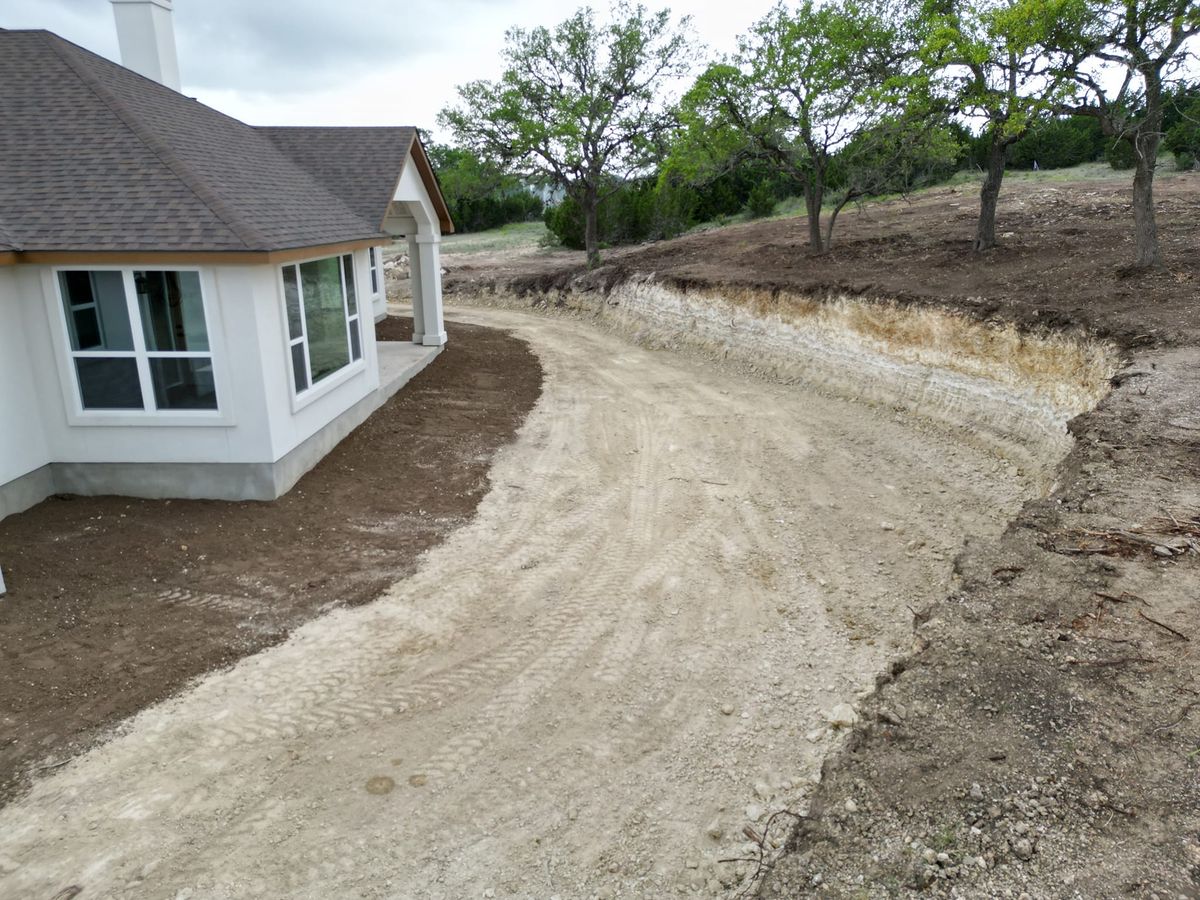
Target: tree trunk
(989, 195)
(833, 219)
(814, 194)
(1145, 151)
(591, 229)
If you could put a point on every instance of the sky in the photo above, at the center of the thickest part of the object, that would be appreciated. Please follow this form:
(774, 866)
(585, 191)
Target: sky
(346, 62)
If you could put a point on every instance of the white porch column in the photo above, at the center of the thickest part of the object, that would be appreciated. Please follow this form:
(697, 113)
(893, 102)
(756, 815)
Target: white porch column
(425, 273)
(414, 284)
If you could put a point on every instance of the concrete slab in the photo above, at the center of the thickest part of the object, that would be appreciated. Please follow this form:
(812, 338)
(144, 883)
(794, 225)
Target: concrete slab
(399, 363)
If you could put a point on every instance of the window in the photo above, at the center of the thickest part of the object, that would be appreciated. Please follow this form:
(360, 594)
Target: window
(373, 260)
(322, 317)
(138, 340)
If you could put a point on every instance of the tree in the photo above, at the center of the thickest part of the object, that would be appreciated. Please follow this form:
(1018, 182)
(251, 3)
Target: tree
(895, 156)
(583, 105)
(802, 85)
(1009, 63)
(478, 193)
(1146, 41)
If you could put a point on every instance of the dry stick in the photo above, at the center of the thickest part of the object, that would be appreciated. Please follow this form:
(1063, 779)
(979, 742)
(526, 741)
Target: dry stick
(1118, 661)
(1183, 715)
(761, 864)
(1164, 626)
(1125, 597)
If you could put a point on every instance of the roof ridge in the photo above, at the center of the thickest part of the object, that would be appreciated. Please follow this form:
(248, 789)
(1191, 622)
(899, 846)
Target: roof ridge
(250, 236)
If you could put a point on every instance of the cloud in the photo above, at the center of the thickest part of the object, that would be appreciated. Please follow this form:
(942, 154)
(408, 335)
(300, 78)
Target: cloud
(342, 62)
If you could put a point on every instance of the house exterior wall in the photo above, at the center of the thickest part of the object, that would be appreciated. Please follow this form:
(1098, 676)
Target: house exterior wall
(24, 451)
(292, 419)
(261, 440)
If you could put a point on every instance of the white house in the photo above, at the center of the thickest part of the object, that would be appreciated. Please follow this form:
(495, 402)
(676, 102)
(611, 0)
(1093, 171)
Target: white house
(186, 301)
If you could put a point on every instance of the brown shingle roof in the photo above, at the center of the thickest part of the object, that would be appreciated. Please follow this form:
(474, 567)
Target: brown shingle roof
(96, 157)
(361, 165)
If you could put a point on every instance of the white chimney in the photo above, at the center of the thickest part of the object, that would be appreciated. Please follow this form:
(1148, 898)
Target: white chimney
(147, 38)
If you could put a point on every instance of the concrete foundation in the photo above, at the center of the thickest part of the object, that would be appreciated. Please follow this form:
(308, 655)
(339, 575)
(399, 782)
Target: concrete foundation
(398, 364)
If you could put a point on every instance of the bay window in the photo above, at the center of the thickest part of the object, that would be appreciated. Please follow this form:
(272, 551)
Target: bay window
(322, 318)
(138, 340)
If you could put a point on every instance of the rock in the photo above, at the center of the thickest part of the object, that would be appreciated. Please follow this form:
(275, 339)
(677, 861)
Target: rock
(815, 735)
(843, 716)
(851, 806)
(754, 812)
(727, 709)
(921, 876)
(929, 856)
(763, 790)
(714, 830)
(943, 859)
(887, 526)
(1022, 849)
(976, 792)
(888, 717)
(1160, 550)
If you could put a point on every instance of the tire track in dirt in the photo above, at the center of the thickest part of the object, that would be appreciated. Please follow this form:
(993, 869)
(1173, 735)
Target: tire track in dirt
(569, 692)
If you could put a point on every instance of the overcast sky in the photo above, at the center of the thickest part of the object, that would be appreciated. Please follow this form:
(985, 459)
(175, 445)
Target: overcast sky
(344, 62)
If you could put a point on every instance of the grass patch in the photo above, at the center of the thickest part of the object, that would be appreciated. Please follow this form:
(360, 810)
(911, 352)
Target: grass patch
(518, 236)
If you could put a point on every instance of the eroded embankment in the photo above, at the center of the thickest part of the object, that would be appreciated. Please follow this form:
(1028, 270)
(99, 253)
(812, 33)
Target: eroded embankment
(1010, 391)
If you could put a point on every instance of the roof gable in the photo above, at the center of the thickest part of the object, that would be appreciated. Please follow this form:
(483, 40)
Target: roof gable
(362, 165)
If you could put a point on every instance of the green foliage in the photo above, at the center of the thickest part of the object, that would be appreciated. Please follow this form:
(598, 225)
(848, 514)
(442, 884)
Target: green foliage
(897, 155)
(581, 105)
(1120, 154)
(804, 83)
(761, 201)
(1059, 144)
(1182, 124)
(1007, 62)
(479, 194)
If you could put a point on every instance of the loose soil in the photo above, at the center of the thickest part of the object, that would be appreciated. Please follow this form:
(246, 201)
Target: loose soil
(631, 651)
(116, 603)
(1060, 263)
(605, 681)
(1041, 740)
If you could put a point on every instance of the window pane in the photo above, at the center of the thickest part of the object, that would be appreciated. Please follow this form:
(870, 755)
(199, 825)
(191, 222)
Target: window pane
(355, 341)
(183, 382)
(109, 383)
(172, 310)
(86, 333)
(97, 317)
(351, 299)
(374, 270)
(291, 295)
(298, 367)
(324, 317)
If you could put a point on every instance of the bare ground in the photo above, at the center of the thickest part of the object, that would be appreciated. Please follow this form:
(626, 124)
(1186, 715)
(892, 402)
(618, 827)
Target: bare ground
(115, 603)
(1034, 722)
(632, 652)
(1042, 740)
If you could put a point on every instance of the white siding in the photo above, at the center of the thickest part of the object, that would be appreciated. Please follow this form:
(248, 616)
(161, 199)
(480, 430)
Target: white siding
(23, 446)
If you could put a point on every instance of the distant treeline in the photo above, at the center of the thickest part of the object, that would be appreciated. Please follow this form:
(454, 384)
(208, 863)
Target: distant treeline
(666, 204)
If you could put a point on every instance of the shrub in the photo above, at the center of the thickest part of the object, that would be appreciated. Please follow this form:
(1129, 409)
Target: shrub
(1119, 154)
(761, 201)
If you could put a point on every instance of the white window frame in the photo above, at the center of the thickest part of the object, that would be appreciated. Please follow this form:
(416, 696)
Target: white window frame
(150, 415)
(354, 367)
(373, 269)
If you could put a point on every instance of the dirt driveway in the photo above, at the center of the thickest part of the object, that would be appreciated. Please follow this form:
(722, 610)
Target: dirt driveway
(590, 690)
